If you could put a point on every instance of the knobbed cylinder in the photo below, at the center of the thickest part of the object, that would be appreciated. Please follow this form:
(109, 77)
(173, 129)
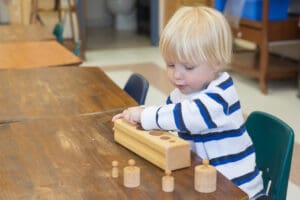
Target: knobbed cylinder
(205, 179)
(168, 182)
(131, 175)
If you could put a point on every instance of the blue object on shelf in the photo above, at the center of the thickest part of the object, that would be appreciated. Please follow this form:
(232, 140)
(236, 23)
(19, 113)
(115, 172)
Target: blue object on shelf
(220, 5)
(278, 9)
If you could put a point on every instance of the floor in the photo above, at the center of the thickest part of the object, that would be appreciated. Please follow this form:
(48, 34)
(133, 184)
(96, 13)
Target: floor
(120, 54)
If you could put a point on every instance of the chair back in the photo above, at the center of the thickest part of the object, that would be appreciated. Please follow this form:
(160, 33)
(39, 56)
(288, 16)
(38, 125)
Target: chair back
(58, 32)
(137, 87)
(273, 141)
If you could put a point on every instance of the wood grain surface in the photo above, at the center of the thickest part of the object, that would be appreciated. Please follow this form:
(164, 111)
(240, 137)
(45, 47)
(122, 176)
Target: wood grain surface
(70, 158)
(21, 33)
(35, 54)
(62, 91)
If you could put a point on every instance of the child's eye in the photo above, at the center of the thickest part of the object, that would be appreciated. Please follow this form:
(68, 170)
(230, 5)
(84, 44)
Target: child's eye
(189, 67)
(170, 65)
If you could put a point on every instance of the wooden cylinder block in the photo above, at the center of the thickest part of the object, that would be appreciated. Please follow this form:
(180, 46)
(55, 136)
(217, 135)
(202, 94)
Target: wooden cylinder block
(205, 179)
(161, 148)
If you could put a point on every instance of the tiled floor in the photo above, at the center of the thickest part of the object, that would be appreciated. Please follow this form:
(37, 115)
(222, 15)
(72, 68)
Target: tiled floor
(121, 54)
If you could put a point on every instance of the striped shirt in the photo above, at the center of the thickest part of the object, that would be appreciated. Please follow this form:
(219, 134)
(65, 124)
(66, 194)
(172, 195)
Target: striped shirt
(212, 121)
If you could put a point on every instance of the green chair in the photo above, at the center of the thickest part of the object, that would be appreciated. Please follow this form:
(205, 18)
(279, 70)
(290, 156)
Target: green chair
(273, 141)
(58, 32)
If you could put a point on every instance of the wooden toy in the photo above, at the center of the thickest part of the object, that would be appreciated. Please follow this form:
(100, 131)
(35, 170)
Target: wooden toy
(161, 148)
(205, 179)
(115, 170)
(131, 175)
(168, 182)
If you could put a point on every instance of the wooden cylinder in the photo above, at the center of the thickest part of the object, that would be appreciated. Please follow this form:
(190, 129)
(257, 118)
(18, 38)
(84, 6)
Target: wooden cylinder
(168, 182)
(115, 171)
(131, 175)
(205, 179)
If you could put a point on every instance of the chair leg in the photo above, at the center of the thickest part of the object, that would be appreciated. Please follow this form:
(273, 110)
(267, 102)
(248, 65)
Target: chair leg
(263, 68)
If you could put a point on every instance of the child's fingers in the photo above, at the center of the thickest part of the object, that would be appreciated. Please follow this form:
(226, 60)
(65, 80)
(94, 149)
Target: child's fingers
(117, 116)
(127, 117)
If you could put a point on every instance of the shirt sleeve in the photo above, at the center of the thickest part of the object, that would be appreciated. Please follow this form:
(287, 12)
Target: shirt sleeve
(148, 118)
(194, 116)
(214, 109)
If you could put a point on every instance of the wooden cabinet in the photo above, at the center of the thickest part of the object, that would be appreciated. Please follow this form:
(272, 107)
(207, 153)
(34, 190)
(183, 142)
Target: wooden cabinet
(260, 64)
(170, 6)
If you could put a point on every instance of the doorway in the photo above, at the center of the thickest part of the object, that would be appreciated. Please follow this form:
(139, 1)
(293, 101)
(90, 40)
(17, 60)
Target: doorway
(147, 22)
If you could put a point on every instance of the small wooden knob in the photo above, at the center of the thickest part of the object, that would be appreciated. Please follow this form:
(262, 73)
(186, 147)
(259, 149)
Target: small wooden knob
(131, 162)
(168, 172)
(114, 163)
(205, 162)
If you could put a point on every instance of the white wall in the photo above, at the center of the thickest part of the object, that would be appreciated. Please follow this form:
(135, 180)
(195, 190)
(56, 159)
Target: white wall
(4, 15)
(161, 15)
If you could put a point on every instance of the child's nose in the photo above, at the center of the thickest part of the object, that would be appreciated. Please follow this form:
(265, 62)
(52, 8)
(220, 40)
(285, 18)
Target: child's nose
(177, 73)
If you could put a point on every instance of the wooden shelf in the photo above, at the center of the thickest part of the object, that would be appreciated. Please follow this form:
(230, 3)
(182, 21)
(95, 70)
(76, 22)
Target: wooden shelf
(248, 63)
(277, 30)
(263, 65)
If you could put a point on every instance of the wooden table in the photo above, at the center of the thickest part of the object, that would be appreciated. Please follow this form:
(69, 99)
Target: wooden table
(21, 33)
(61, 91)
(20, 55)
(70, 158)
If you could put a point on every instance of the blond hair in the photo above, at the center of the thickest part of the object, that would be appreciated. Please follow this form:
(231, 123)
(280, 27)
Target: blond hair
(195, 35)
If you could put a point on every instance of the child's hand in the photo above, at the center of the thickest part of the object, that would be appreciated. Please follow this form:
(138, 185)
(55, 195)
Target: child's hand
(132, 115)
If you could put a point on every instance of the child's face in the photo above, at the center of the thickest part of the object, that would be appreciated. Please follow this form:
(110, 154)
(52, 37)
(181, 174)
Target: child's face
(189, 79)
